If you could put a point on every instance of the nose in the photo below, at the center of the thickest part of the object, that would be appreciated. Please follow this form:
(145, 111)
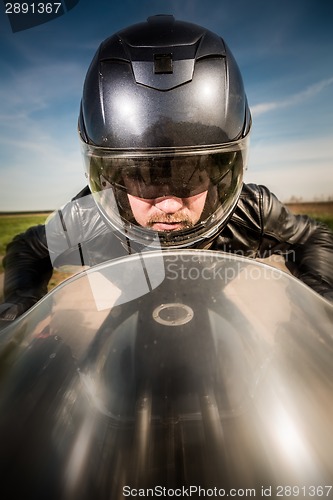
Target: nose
(169, 204)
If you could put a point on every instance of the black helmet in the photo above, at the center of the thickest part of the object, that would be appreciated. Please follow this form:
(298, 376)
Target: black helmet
(164, 114)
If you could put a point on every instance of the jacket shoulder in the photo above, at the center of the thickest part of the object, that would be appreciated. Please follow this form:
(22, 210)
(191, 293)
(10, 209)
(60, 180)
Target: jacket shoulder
(248, 210)
(84, 192)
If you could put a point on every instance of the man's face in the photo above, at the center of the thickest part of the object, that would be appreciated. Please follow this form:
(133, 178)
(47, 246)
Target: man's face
(168, 213)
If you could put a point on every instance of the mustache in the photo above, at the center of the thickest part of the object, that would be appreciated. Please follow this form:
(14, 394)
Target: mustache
(178, 218)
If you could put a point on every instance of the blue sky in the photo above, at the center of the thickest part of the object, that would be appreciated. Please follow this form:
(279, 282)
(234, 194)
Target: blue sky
(285, 53)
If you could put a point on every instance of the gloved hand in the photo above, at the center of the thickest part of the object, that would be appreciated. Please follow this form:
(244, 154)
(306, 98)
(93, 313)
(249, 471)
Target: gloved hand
(10, 311)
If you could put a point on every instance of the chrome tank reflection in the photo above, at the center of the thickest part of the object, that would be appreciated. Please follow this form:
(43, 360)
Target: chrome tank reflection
(218, 377)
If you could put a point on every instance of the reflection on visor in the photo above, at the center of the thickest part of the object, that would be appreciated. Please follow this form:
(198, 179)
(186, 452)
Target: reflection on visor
(144, 182)
(182, 177)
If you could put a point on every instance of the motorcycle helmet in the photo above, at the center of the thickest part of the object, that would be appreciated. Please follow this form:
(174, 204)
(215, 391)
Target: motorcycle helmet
(164, 115)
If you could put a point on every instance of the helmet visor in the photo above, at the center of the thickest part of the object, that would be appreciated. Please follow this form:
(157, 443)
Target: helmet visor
(150, 178)
(212, 176)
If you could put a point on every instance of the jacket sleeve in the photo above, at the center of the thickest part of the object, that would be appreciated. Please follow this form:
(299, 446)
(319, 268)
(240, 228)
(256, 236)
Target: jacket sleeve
(28, 268)
(28, 265)
(306, 244)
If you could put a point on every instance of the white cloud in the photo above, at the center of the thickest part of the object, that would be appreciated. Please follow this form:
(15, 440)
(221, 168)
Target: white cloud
(265, 107)
(36, 88)
(40, 160)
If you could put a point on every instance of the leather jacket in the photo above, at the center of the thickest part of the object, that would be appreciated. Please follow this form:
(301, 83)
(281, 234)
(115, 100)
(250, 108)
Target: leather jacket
(260, 226)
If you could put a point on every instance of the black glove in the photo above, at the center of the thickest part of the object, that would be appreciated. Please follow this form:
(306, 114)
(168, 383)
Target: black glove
(10, 311)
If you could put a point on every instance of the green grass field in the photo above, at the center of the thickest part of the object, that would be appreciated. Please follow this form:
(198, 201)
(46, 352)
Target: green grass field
(322, 211)
(11, 225)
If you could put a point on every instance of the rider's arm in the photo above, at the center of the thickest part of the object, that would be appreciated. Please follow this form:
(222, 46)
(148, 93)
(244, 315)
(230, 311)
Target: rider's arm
(27, 264)
(30, 257)
(28, 270)
(306, 243)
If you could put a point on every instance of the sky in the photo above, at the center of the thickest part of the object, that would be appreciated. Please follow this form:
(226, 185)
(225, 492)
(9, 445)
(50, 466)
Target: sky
(285, 53)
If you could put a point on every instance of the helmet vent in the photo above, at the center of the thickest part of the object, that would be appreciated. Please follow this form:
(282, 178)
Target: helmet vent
(163, 64)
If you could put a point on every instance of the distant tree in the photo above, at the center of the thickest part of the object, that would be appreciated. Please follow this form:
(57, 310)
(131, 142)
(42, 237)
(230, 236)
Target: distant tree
(295, 199)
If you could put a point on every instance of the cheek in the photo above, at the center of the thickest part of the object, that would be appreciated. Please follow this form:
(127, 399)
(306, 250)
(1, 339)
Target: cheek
(197, 202)
(140, 209)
